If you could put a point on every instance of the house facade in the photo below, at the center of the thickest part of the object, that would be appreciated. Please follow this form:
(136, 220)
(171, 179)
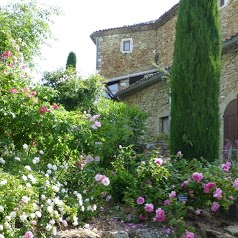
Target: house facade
(127, 55)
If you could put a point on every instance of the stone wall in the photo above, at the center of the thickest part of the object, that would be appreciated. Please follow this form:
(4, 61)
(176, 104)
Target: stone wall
(154, 100)
(165, 42)
(113, 63)
(229, 19)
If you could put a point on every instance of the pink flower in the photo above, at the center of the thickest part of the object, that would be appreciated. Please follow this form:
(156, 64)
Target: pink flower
(44, 109)
(226, 167)
(197, 177)
(188, 234)
(140, 200)
(28, 234)
(235, 184)
(184, 183)
(55, 106)
(160, 215)
(105, 181)
(142, 217)
(172, 194)
(167, 202)
(159, 161)
(208, 186)
(198, 212)
(32, 94)
(97, 159)
(6, 55)
(179, 154)
(98, 177)
(215, 206)
(13, 90)
(89, 159)
(217, 193)
(149, 207)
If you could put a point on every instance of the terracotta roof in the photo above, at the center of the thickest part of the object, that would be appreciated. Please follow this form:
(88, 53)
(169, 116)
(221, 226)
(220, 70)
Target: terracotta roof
(150, 25)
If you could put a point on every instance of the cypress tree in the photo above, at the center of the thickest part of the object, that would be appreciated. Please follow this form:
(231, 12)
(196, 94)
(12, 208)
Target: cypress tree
(71, 60)
(195, 81)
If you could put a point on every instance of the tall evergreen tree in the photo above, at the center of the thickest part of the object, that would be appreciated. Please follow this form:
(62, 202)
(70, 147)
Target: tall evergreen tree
(71, 60)
(195, 81)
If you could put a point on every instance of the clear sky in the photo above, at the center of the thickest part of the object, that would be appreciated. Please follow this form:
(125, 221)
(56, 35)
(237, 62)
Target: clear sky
(83, 17)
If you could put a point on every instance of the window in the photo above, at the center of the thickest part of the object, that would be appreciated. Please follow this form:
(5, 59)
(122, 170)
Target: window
(165, 125)
(222, 3)
(126, 45)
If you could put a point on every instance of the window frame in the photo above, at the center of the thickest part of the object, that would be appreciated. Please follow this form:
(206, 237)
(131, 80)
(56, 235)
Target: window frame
(122, 49)
(225, 3)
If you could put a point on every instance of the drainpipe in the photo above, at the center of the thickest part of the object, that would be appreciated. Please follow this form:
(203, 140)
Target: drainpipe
(97, 50)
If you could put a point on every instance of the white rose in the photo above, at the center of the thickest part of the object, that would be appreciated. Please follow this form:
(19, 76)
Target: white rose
(1, 208)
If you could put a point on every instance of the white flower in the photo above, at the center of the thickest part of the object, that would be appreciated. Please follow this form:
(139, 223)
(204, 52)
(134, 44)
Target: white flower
(2, 236)
(13, 214)
(24, 177)
(75, 223)
(55, 188)
(41, 152)
(7, 225)
(1, 208)
(28, 167)
(47, 175)
(75, 193)
(3, 182)
(32, 215)
(28, 185)
(63, 190)
(38, 214)
(7, 218)
(36, 160)
(42, 197)
(94, 207)
(97, 159)
(25, 199)
(25, 146)
(2, 161)
(89, 159)
(1, 227)
(54, 167)
(23, 217)
(18, 159)
(82, 208)
(52, 221)
(48, 171)
(48, 227)
(54, 231)
(80, 202)
(65, 223)
(49, 166)
(50, 209)
(79, 196)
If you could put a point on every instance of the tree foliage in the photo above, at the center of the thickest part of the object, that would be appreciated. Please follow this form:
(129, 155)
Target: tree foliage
(25, 26)
(195, 80)
(71, 60)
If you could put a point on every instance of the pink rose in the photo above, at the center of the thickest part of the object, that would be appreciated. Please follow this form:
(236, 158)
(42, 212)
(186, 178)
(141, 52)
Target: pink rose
(188, 234)
(184, 183)
(13, 90)
(167, 202)
(217, 193)
(160, 215)
(208, 186)
(140, 200)
(198, 212)
(98, 177)
(215, 206)
(28, 234)
(235, 184)
(197, 177)
(159, 161)
(149, 207)
(105, 181)
(142, 217)
(172, 194)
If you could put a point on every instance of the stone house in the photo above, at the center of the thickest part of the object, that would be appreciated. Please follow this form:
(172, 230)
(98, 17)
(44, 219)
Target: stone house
(126, 56)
